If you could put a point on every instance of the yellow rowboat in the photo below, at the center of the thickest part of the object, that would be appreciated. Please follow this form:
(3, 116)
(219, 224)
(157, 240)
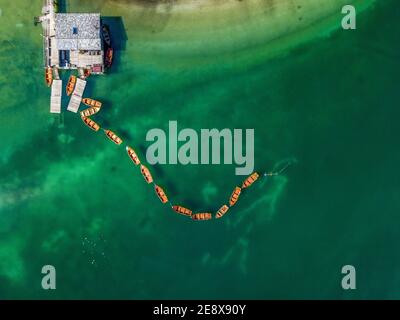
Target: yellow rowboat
(89, 111)
(221, 212)
(71, 85)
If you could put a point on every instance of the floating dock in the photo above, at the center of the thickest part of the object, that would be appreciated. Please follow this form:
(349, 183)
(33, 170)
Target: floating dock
(76, 97)
(55, 100)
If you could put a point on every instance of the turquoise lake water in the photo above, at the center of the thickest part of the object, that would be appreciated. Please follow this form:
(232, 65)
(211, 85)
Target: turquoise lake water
(72, 199)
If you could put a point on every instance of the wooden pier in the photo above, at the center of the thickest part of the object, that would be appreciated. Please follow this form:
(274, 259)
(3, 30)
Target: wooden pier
(76, 97)
(56, 93)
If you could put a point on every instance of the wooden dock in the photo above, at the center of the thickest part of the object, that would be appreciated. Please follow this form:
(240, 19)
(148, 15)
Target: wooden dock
(56, 93)
(76, 97)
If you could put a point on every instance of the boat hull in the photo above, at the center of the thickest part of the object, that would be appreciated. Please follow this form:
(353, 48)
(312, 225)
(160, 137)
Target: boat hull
(91, 124)
(202, 216)
(113, 137)
(235, 196)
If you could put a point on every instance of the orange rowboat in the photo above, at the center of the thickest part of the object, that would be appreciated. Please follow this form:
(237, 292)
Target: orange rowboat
(91, 124)
(113, 137)
(222, 211)
(132, 154)
(146, 174)
(250, 180)
(92, 103)
(235, 196)
(202, 216)
(161, 194)
(182, 210)
(71, 85)
(49, 76)
(89, 111)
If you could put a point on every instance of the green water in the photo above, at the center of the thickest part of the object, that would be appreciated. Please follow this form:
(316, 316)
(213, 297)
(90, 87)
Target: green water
(72, 199)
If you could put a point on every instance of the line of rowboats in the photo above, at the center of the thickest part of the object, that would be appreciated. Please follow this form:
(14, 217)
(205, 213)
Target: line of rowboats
(94, 106)
(180, 209)
(159, 191)
(48, 76)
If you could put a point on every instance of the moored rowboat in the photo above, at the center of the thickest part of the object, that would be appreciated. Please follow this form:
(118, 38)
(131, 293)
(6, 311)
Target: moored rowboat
(202, 216)
(161, 194)
(132, 154)
(113, 137)
(235, 196)
(91, 124)
(92, 103)
(49, 76)
(182, 210)
(146, 174)
(71, 85)
(106, 35)
(89, 111)
(250, 180)
(222, 211)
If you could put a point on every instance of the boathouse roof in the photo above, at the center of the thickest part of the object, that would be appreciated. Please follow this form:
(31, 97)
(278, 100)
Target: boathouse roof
(78, 31)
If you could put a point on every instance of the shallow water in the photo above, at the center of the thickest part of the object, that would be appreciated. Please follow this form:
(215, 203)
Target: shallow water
(327, 99)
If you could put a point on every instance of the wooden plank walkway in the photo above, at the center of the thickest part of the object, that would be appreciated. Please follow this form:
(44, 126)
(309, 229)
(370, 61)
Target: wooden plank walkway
(76, 97)
(56, 93)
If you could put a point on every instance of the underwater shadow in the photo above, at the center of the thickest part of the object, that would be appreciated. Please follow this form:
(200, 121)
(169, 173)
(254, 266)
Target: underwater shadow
(61, 6)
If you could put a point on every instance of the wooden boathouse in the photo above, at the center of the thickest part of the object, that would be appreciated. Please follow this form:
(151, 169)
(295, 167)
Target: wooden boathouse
(71, 41)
